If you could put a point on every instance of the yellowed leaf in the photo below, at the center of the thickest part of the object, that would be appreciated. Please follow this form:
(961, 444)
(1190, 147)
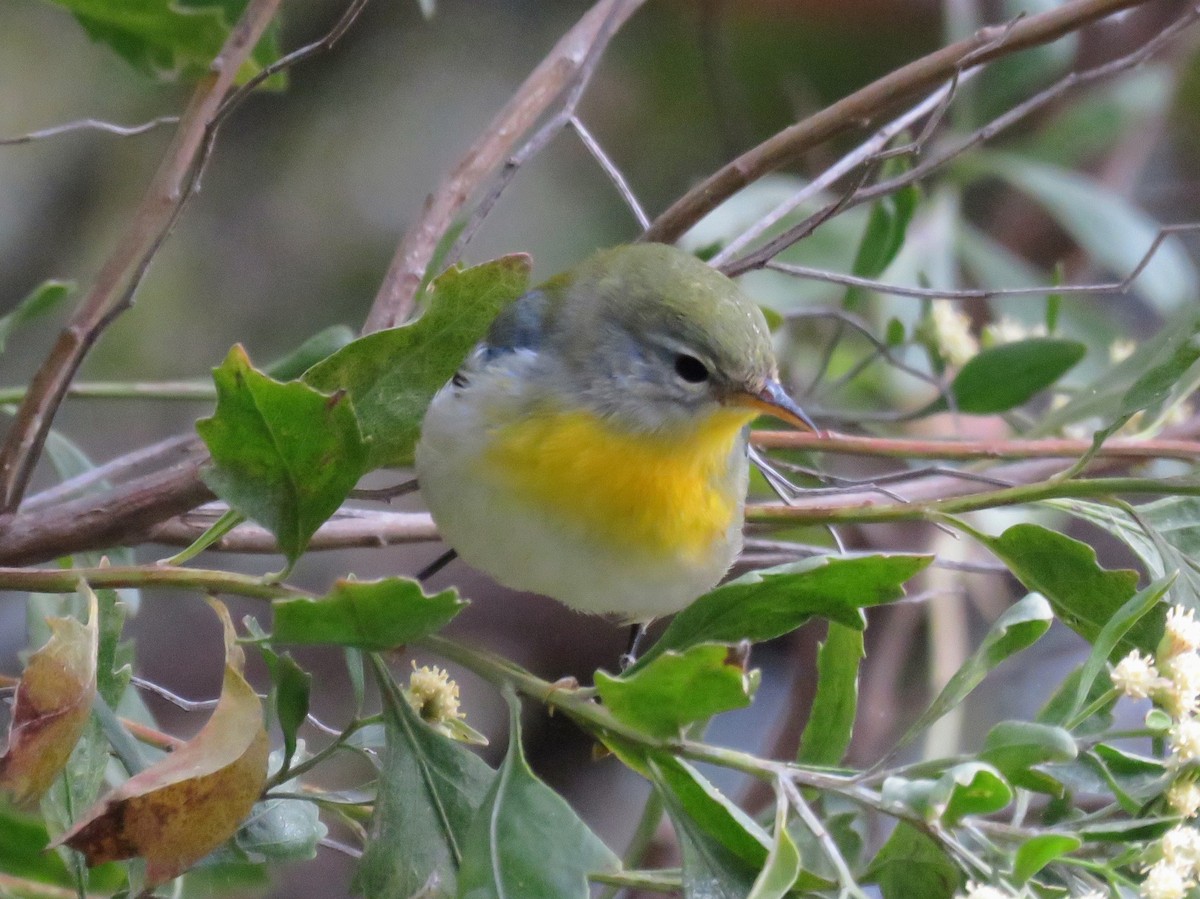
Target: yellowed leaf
(52, 706)
(177, 811)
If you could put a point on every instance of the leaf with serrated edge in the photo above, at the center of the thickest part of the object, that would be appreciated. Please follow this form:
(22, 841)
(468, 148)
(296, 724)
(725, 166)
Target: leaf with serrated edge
(366, 614)
(285, 455)
(525, 840)
(392, 375)
(766, 604)
(677, 688)
(175, 812)
(52, 706)
(1084, 595)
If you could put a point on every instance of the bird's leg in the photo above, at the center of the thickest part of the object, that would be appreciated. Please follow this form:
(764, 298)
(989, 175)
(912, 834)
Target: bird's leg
(637, 633)
(386, 494)
(436, 565)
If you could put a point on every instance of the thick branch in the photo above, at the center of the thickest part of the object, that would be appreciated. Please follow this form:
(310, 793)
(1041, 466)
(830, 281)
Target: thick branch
(113, 289)
(543, 87)
(865, 105)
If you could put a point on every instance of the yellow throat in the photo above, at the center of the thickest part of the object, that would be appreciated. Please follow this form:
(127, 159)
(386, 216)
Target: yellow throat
(671, 494)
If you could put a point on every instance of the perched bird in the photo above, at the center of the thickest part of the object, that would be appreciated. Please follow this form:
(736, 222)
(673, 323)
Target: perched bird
(593, 447)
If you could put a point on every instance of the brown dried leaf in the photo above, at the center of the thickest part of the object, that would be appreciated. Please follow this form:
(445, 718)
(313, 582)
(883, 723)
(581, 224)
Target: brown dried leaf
(52, 706)
(177, 811)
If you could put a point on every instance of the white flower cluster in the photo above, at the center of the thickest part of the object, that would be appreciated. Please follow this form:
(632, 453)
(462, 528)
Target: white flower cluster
(1009, 330)
(1172, 680)
(433, 696)
(983, 891)
(951, 329)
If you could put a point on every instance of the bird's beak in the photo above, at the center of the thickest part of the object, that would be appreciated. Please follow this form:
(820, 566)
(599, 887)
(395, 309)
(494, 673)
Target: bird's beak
(773, 400)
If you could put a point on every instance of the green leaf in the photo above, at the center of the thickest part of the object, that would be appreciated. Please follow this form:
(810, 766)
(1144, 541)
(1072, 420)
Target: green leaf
(1018, 628)
(320, 346)
(1105, 644)
(1084, 595)
(723, 849)
(430, 788)
(762, 605)
(280, 829)
(1115, 233)
(1039, 851)
(707, 814)
(831, 720)
(1014, 747)
(166, 38)
(783, 861)
(366, 614)
(44, 298)
(525, 840)
(392, 375)
(972, 788)
(677, 688)
(1148, 377)
(911, 864)
(1005, 376)
(290, 688)
(887, 225)
(285, 455)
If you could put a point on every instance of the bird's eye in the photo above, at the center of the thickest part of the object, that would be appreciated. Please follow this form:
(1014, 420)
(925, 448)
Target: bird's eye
(690, 369)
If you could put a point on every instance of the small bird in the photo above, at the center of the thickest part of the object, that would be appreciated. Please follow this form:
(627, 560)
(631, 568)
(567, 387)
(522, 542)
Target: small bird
(593, 448)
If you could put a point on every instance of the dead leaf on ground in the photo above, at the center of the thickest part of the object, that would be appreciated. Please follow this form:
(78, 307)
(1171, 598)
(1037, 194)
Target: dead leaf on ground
(175, 812)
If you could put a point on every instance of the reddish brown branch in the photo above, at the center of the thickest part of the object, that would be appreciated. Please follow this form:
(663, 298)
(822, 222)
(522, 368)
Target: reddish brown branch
(867, 104)
(1046, 448)
(113, 289)
(546, 84)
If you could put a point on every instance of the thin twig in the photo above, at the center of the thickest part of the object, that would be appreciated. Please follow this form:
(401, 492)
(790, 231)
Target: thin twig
(89, 125)
(397, 294)
(869, 149)
(112, 292)
(907, 448)
(540, 139)
(865, 105)
(610, 169)
(764, 255)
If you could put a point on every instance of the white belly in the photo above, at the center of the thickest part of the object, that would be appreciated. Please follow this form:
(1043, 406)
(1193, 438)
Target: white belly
(497, 532)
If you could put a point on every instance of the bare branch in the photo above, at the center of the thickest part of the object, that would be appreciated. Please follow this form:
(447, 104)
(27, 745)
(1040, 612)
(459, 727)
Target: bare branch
(538, 142)
(870, 149)
(113, 289)
(541, 89)
(347, 529)
(89, 125)
(763, 255)
(965, 450)
(868, 103)
(611, 170)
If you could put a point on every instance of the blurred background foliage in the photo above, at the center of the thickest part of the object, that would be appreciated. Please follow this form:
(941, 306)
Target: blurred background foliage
(311, 186)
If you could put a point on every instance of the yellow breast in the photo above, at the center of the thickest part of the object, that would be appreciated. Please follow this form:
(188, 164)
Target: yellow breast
(672, 494)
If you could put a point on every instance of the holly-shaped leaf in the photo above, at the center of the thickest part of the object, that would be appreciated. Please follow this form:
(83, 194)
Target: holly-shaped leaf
(392, 375)
(677, 688)
(1084, 595)
(366, 614)
(766, 604)
(52, 706)
(166, 38)
(285, 455)
(175, 812)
